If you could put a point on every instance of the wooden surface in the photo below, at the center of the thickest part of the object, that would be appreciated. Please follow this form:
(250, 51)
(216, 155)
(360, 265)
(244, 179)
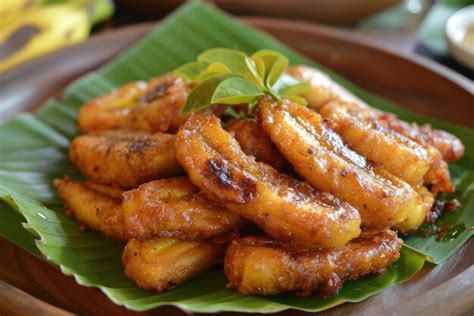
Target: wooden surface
(420, 85)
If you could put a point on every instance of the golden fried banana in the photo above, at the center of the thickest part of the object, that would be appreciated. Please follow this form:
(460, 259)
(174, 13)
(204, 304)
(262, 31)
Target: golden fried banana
(92, 209)
(150, 106)
(450, 147)
(285, 208)
(319, 155)
(174, 207)
(162, 208)
(399, 155)
(163, 263)
(324, 90)
(263, 266)
(125, 158)
(253, 141)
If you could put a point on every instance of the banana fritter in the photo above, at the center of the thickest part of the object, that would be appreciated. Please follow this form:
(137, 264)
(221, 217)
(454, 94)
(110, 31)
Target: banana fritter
(92, 209)
(253, 141)
(319, 155)
(151, 106)
(163, 263)
(417, 216)
(263, 266)
(174, 207)
(324, 90)
(125, 158)
(399, 155)
(162, 208)
(284, 207)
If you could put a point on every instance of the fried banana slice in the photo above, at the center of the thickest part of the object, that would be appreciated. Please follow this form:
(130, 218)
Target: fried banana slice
(92, 209)
(253, 141)
(318, 154)
(174, 207)
(324, 90)
(285, 208)
(263, 266)
(399, 155)
(162, 264)
(150, 106)
(125, 158)
(163, 208)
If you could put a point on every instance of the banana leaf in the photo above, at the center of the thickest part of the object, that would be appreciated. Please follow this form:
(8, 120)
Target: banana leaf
(33, 151)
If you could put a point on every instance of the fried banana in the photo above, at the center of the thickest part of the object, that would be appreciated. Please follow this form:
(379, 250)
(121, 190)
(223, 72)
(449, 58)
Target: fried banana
(174, 207)
(323, 90)
(123, 158)
(253, 141)
(162, 264)
(163, 208)
(399, 155)
(284, 207)
(263, 266)
(92, 209)
(151, 106)
(319, 155)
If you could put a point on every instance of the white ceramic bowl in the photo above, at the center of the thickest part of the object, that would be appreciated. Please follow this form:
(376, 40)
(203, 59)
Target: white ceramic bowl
(456, 29)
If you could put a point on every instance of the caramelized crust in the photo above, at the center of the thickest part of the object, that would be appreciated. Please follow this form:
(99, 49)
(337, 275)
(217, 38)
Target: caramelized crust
(399, 155)
(125, 158)
(92, 209)
(163, 263)
(263, 266)
(174, 207)
(254, 142)
(318, 154)
(285, 208)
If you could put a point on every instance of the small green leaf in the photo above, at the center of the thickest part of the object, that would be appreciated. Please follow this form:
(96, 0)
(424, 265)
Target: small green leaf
(201, 96)
(288, 85)
(232, 59)
(191, 70)
(256, 74)
(236, 90)
(275, 65)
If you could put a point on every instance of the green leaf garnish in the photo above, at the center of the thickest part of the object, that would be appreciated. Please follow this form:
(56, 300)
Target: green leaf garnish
(201, 96)
(246, 79)
(236, 91)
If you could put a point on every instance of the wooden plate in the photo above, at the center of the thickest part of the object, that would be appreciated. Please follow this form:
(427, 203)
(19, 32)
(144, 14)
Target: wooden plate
(418, 84)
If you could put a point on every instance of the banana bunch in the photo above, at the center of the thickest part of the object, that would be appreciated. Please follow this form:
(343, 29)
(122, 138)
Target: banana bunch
(30, 28)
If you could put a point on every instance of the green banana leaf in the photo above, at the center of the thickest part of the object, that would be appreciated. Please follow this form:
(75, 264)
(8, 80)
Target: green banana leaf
(33, 151)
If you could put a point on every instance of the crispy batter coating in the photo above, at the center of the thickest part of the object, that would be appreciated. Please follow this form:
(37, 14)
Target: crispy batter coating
(319, 155)
(399, 155)
(163, 263)
(174, 207)
(253, 141)
(125, 158)
(284, 207)
(92, 209)
(264, 266)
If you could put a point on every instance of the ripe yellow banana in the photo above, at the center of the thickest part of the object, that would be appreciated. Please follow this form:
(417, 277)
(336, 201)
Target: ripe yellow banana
(34, 29)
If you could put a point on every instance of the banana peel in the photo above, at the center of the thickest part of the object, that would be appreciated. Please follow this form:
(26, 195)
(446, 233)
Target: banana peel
(35, 28)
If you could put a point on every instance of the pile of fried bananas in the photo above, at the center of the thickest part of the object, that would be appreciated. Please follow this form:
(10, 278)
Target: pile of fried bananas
(298, 199)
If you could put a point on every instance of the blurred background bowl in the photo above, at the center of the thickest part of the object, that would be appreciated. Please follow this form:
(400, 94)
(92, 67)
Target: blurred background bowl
(326, 11)
(460, 35)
